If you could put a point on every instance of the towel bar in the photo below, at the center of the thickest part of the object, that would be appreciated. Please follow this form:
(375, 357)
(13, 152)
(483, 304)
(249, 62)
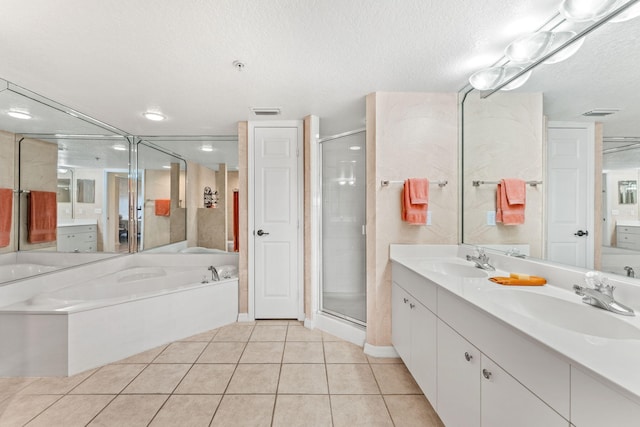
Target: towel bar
(478, 183)
(386, 183)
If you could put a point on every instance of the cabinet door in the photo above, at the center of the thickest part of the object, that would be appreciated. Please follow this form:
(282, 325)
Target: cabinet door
(401, 323)
(423, 349)
(458, 401)
(507, 403)
(593, 404)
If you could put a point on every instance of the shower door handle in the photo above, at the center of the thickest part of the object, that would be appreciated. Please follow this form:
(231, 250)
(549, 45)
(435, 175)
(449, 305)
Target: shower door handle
(261, 233)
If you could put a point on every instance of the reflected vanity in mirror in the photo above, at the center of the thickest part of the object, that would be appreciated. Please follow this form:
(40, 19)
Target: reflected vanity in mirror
(572, 126)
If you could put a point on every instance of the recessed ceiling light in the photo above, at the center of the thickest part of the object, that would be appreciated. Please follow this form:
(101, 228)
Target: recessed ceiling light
(166, 166)
(270, 111)
(207, 148)
(119, 147)
(601, 112)
(354, 147)
(19, 114)
(154, 116)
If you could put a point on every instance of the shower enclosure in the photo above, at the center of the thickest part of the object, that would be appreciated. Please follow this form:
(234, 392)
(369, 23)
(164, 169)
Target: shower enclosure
(342, 233)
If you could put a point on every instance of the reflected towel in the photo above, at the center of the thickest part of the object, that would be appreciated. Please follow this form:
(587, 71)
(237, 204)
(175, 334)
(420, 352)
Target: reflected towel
(163, 207)
(6, 214)
(43, 216)
(415, 214)
(510, 201)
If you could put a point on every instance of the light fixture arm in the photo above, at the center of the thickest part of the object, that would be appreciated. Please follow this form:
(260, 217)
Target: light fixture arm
(578, 36)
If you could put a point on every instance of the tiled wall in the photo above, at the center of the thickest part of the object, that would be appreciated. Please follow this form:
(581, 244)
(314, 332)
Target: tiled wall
(409, 135)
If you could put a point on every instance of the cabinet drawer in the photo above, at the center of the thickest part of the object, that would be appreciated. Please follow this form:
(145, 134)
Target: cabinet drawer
(75, 229)
(417, 286)
(628, 240)
(628, 229)
(544, 373)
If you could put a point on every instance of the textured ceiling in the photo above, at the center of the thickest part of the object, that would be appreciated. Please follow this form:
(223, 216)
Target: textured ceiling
(115, 59)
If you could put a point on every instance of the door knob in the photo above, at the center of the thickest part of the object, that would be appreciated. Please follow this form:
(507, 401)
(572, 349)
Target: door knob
(262, 233)
(581, 233)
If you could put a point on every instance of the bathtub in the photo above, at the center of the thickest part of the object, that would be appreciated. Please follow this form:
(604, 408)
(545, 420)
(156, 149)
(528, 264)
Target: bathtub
(142, 301)
(20, 271)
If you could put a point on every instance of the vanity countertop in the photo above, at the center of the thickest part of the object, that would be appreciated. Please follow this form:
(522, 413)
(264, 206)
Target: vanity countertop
(628, 223)
(614, 360)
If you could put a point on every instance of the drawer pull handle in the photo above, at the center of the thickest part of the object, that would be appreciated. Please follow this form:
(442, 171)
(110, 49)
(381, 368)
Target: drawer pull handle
(486, 374)
(412, 305)
(406, 300)
(467, 356)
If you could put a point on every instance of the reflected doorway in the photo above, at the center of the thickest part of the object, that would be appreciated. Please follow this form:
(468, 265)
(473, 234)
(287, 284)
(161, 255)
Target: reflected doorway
(342, 232)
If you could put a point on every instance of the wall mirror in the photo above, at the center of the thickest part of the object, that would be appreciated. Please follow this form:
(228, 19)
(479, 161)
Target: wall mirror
(212, 164)
(522, 134)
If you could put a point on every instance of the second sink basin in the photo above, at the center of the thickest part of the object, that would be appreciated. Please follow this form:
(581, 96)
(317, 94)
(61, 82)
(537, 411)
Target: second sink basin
(575, 316)
(454, 269)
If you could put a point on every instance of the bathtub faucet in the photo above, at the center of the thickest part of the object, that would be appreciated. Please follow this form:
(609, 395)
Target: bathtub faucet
(630, 272)
(214, 273)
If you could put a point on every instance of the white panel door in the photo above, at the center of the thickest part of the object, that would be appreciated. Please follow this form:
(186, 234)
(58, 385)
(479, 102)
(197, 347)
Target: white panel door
(275, 234)
(570, 196)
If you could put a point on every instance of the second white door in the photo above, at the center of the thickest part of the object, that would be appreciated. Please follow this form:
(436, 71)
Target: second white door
(276, 222)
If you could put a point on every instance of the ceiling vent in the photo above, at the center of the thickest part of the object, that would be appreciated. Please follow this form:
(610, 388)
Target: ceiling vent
(600, 112)
(265, 111)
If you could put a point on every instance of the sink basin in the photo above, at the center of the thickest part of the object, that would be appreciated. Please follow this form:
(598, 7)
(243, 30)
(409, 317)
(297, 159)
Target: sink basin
(575, 316)
(454, 269)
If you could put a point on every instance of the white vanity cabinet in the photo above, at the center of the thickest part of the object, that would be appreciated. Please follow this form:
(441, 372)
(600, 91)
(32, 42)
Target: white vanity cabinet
(594, 404)
(628, 235)
(414, 329)
(77, 238)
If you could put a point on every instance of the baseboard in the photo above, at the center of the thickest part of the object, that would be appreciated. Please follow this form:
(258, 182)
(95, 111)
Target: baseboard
(387, 351)
(244, 317)
(309, 323)
(340, 328)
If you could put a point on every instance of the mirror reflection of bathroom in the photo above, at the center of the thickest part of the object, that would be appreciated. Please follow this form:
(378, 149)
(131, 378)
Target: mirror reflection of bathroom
(627, 192)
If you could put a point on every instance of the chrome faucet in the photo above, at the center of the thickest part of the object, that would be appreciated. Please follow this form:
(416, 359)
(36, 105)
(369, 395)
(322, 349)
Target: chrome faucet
(214, 273)
(515, 252)
(601, 296)
(630, 272)
(482, 260)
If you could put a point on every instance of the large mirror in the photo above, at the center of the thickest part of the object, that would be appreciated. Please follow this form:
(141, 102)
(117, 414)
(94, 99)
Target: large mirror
(572, 133)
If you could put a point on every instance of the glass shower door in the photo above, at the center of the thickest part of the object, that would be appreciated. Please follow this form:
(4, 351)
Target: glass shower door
(343, 239)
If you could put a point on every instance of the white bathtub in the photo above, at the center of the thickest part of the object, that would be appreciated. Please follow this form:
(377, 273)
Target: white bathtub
(20, 271)
(146, 301)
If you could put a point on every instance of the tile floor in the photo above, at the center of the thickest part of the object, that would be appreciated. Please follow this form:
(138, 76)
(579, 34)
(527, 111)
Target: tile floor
(265, 373)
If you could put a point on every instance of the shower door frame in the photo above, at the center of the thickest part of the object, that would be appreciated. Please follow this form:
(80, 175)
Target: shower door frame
(321, 307)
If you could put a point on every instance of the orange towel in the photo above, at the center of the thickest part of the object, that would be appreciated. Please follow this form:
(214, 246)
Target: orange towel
(510, 201)
(415, 214)
(163, 207)
(43, 216)
(419, 191)
(512, 281)
(6, 214)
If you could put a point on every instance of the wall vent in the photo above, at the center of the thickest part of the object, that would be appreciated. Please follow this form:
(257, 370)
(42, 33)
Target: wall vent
(265, 111)
(600, 112)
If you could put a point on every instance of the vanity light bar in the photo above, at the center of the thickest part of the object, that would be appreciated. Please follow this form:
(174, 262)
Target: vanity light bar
(478, 183)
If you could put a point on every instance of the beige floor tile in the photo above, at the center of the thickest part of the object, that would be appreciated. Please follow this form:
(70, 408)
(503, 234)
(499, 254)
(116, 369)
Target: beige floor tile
(263, 352)
(300, 333)
(355, 378)
(232, 411)
(160, 378)
(130, 410)
(72, 410)
(372, 359)
(303, 352)
(206, 379)
(412, 411)
(55, 385)
(14, 385)
(302, 411)
(365, 411)
(204, 336)
(145, 356)
(181, 352)
(187, 411)
(273, 322)
(234, 332)
(395, 379)
(343, 352)
(303, 379)
(110, 379)
(254, 379)
(269, 333)
(296, 323)
(19, 409)
(222, 352)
